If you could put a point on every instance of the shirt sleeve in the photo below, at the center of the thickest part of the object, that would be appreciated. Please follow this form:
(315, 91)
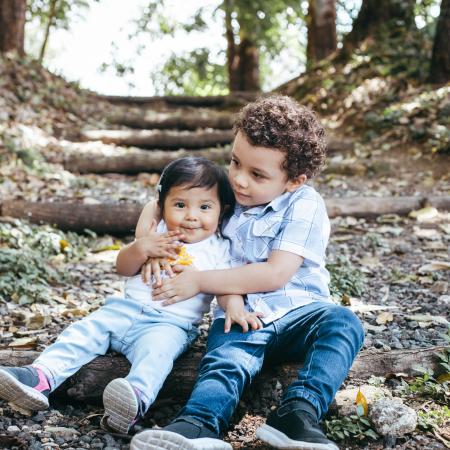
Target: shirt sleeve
(305, 230)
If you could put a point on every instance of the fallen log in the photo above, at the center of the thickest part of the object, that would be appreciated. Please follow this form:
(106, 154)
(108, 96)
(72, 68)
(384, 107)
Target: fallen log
(133, 160)
(88, 384)
(376, 206)
(172, 139)
(117, 219)
(160, 138)
(121, 218)
(181, 120)
(235, 99)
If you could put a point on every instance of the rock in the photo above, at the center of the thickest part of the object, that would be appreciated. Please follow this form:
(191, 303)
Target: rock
(13, 429)
(64, 432)
(439, 287)
(392, 418)
(345, 399)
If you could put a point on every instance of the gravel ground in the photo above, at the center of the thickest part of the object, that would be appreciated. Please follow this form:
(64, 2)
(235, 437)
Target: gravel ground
(392, 253)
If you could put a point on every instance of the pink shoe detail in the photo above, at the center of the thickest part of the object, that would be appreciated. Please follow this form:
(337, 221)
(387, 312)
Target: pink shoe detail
(43, 384)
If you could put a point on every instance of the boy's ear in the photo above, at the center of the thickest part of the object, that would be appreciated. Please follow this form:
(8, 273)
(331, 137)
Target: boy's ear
(293, 185)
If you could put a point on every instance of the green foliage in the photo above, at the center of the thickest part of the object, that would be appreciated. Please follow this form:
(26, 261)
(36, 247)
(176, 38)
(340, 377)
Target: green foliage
(66, 11)
(354, 427)
(346, 280)
(434, 418)
(31, 260)
(193, 73)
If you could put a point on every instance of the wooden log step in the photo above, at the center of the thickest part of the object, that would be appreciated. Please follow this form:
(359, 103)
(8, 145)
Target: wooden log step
(235, 99)
(87, 385)
(121, 218)
(181, 120)
(130, 160)
(160, 139)
(80, 158)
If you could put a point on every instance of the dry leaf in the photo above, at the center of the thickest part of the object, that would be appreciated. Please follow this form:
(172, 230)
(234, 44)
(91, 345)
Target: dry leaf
(384, 318)
(434, 266)
(361, 404)
(370, 261)
(25, 342)
(428, 318)
(425, 214)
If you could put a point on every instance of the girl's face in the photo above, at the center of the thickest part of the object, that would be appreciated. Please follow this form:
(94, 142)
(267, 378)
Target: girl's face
(193, 211)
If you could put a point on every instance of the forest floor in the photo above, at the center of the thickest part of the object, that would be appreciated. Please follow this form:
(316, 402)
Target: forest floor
(392, 270)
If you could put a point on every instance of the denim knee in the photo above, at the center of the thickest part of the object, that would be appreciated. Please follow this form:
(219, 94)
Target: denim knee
(348, 320)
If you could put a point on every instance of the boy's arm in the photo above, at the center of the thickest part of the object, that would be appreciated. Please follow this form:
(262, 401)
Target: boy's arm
(235, 312)
(149, 214)
(258, 277)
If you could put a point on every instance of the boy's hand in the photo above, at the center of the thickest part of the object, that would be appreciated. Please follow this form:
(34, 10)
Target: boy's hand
(153, 267)
(247, 320)
(183, 286)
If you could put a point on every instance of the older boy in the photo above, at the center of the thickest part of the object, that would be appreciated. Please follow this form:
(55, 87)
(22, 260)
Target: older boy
(279, 233)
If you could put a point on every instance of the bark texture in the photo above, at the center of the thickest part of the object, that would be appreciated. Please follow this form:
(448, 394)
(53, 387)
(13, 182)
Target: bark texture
(233, 99)
(191, 120)
(440, 60)
(377, 13)
(321, 20)
(121, 218)
(87, 385)
(170, 139)
(132, 161)
(12, 26)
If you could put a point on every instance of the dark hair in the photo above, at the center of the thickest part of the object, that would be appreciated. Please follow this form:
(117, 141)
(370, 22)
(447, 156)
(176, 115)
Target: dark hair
(279, 122)
(196, 172)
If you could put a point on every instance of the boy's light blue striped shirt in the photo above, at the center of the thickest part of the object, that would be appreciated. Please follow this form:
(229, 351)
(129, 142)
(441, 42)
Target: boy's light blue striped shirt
(295, 222)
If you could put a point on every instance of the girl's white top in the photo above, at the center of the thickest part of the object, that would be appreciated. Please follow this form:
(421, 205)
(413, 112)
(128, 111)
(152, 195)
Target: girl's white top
(209, 254)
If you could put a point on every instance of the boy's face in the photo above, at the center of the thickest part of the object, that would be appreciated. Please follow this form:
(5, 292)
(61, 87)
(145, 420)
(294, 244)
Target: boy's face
(256, 173)
(194, 211)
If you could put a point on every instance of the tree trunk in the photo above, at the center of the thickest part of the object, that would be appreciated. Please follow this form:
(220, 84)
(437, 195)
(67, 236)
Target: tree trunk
(181, 120)
(322, 40)
(233, 81)
(160, 139)
(440, 60)
(87, 385)
(397, 15)
(248, 66)
(121, 218)
(51, 17)
(12, 26)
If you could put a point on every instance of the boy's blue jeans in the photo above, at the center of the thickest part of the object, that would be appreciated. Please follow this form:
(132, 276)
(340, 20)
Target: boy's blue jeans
(325, 336)
(150, 339)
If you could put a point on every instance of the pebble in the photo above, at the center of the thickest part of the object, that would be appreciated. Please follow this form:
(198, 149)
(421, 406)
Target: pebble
(13, 429)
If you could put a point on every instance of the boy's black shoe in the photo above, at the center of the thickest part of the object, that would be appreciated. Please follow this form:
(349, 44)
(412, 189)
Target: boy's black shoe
(184, 433)
(294, 426)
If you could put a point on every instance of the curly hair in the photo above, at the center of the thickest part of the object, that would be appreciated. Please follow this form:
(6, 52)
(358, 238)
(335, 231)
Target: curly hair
(279, 122)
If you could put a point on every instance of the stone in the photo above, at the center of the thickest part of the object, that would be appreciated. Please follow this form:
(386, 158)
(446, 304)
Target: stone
(345, 398)
(391, 417)
(64, 432)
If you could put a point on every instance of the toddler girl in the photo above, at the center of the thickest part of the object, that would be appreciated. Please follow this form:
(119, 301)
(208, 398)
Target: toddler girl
(193, 196)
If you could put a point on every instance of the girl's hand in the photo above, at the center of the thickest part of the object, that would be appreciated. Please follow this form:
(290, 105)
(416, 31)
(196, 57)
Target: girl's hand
(153, 266)
(183, 286)
(161, 245)
(247, 320)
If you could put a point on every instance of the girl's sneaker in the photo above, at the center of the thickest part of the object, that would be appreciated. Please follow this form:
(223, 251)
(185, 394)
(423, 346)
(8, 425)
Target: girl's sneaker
(26, 387)
(123, 406)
